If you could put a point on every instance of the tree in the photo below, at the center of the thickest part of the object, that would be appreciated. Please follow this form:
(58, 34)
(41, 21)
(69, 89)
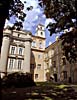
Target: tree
(65, 15)
(9, 8)
(69, 42)
(4, 7)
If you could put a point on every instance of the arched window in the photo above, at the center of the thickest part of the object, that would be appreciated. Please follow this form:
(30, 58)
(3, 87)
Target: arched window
(41, 33)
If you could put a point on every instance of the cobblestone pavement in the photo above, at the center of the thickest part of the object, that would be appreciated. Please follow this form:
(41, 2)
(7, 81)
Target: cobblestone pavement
(40, 93)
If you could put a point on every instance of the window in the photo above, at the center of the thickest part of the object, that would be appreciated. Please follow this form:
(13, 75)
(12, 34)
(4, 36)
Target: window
(39, 66)
(20, 51)
(18, 35)
(41, 27)
(12, 49)
(47, 65)
(39, 56)
(65, 74)
(40, 45)
(46, 55)
(33, 43)
(36, 76)
(64, 61)
(41, 33)
(54, 63)
(19, 64)
(11, 63)
(52, 52)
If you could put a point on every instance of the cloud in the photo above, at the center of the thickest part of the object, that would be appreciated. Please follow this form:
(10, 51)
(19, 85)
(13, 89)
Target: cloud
(33, 18)
(48, 20)
(10, 22)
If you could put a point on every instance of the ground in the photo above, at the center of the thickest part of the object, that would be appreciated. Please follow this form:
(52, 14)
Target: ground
(43, 91)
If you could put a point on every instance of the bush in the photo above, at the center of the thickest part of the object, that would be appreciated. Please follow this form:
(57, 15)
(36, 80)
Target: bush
(18, 79)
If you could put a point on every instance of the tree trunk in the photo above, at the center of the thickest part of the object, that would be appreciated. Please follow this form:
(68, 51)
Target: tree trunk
(2, 22)
(4, 11)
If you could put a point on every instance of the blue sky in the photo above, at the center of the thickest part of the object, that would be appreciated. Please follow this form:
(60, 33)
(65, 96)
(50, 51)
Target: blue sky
(33, 18)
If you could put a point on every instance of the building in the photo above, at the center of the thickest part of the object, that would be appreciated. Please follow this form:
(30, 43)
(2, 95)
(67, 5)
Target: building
(22, 51)
(57, 67)
(37, 54)
(15, 51)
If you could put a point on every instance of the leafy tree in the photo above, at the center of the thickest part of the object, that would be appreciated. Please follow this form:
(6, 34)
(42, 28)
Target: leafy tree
(69, 42)
(65, 15)
(10, 8)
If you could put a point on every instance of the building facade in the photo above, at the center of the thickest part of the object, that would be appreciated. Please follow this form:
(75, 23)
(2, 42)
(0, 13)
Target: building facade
(37, 54)
(15, 51)
(58, 69)
(24, 52)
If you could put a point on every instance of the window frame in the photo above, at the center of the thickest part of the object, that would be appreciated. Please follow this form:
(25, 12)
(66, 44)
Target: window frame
(19, 64)
(20, 52)
(13, 48)
(40, 45)
(33, 44)
(38, 66)
(11, 63)
(36, 76)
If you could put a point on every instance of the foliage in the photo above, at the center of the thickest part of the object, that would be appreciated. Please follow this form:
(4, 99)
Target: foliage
(63, 11)
(16, 9)
(69, 42)
(18, 79)
(10, 8)
(65, 15)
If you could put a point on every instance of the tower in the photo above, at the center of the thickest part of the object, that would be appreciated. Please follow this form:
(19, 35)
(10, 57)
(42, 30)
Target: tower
(37, 54)
(40, 31)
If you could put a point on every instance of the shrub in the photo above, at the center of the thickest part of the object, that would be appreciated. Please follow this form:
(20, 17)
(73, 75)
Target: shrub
(18, 79)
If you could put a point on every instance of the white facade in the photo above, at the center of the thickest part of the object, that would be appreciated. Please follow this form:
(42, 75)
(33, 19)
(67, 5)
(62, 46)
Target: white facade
(15, 52)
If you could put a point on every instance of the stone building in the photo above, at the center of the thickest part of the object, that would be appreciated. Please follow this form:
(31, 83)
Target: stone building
(37, 54)
(15, 51)
(56, 65)
(22, 51)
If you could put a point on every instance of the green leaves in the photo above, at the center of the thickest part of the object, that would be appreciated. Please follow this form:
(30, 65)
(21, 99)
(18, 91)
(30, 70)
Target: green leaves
(63, 11)
(69, 45)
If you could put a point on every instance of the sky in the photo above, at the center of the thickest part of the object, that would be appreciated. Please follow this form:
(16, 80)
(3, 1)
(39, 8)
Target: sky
(33, 18)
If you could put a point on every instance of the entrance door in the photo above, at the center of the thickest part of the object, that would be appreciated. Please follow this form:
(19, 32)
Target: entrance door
(55, 77)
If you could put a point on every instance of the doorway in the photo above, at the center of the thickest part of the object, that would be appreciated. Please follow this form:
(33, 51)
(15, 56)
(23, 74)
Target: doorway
(55, 77)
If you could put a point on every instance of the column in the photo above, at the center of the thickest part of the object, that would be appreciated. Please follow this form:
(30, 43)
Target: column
(4, 54)
(26, 63)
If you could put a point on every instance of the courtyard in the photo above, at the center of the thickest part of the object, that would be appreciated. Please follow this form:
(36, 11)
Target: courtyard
(42, 91)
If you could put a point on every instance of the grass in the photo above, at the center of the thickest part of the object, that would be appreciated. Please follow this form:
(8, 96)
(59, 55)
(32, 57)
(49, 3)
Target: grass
(61, 86)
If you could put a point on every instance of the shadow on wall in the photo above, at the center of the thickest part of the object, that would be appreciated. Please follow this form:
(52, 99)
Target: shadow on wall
(32, 64)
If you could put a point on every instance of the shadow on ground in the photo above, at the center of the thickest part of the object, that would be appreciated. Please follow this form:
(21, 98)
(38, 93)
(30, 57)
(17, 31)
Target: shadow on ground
(39, 93)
